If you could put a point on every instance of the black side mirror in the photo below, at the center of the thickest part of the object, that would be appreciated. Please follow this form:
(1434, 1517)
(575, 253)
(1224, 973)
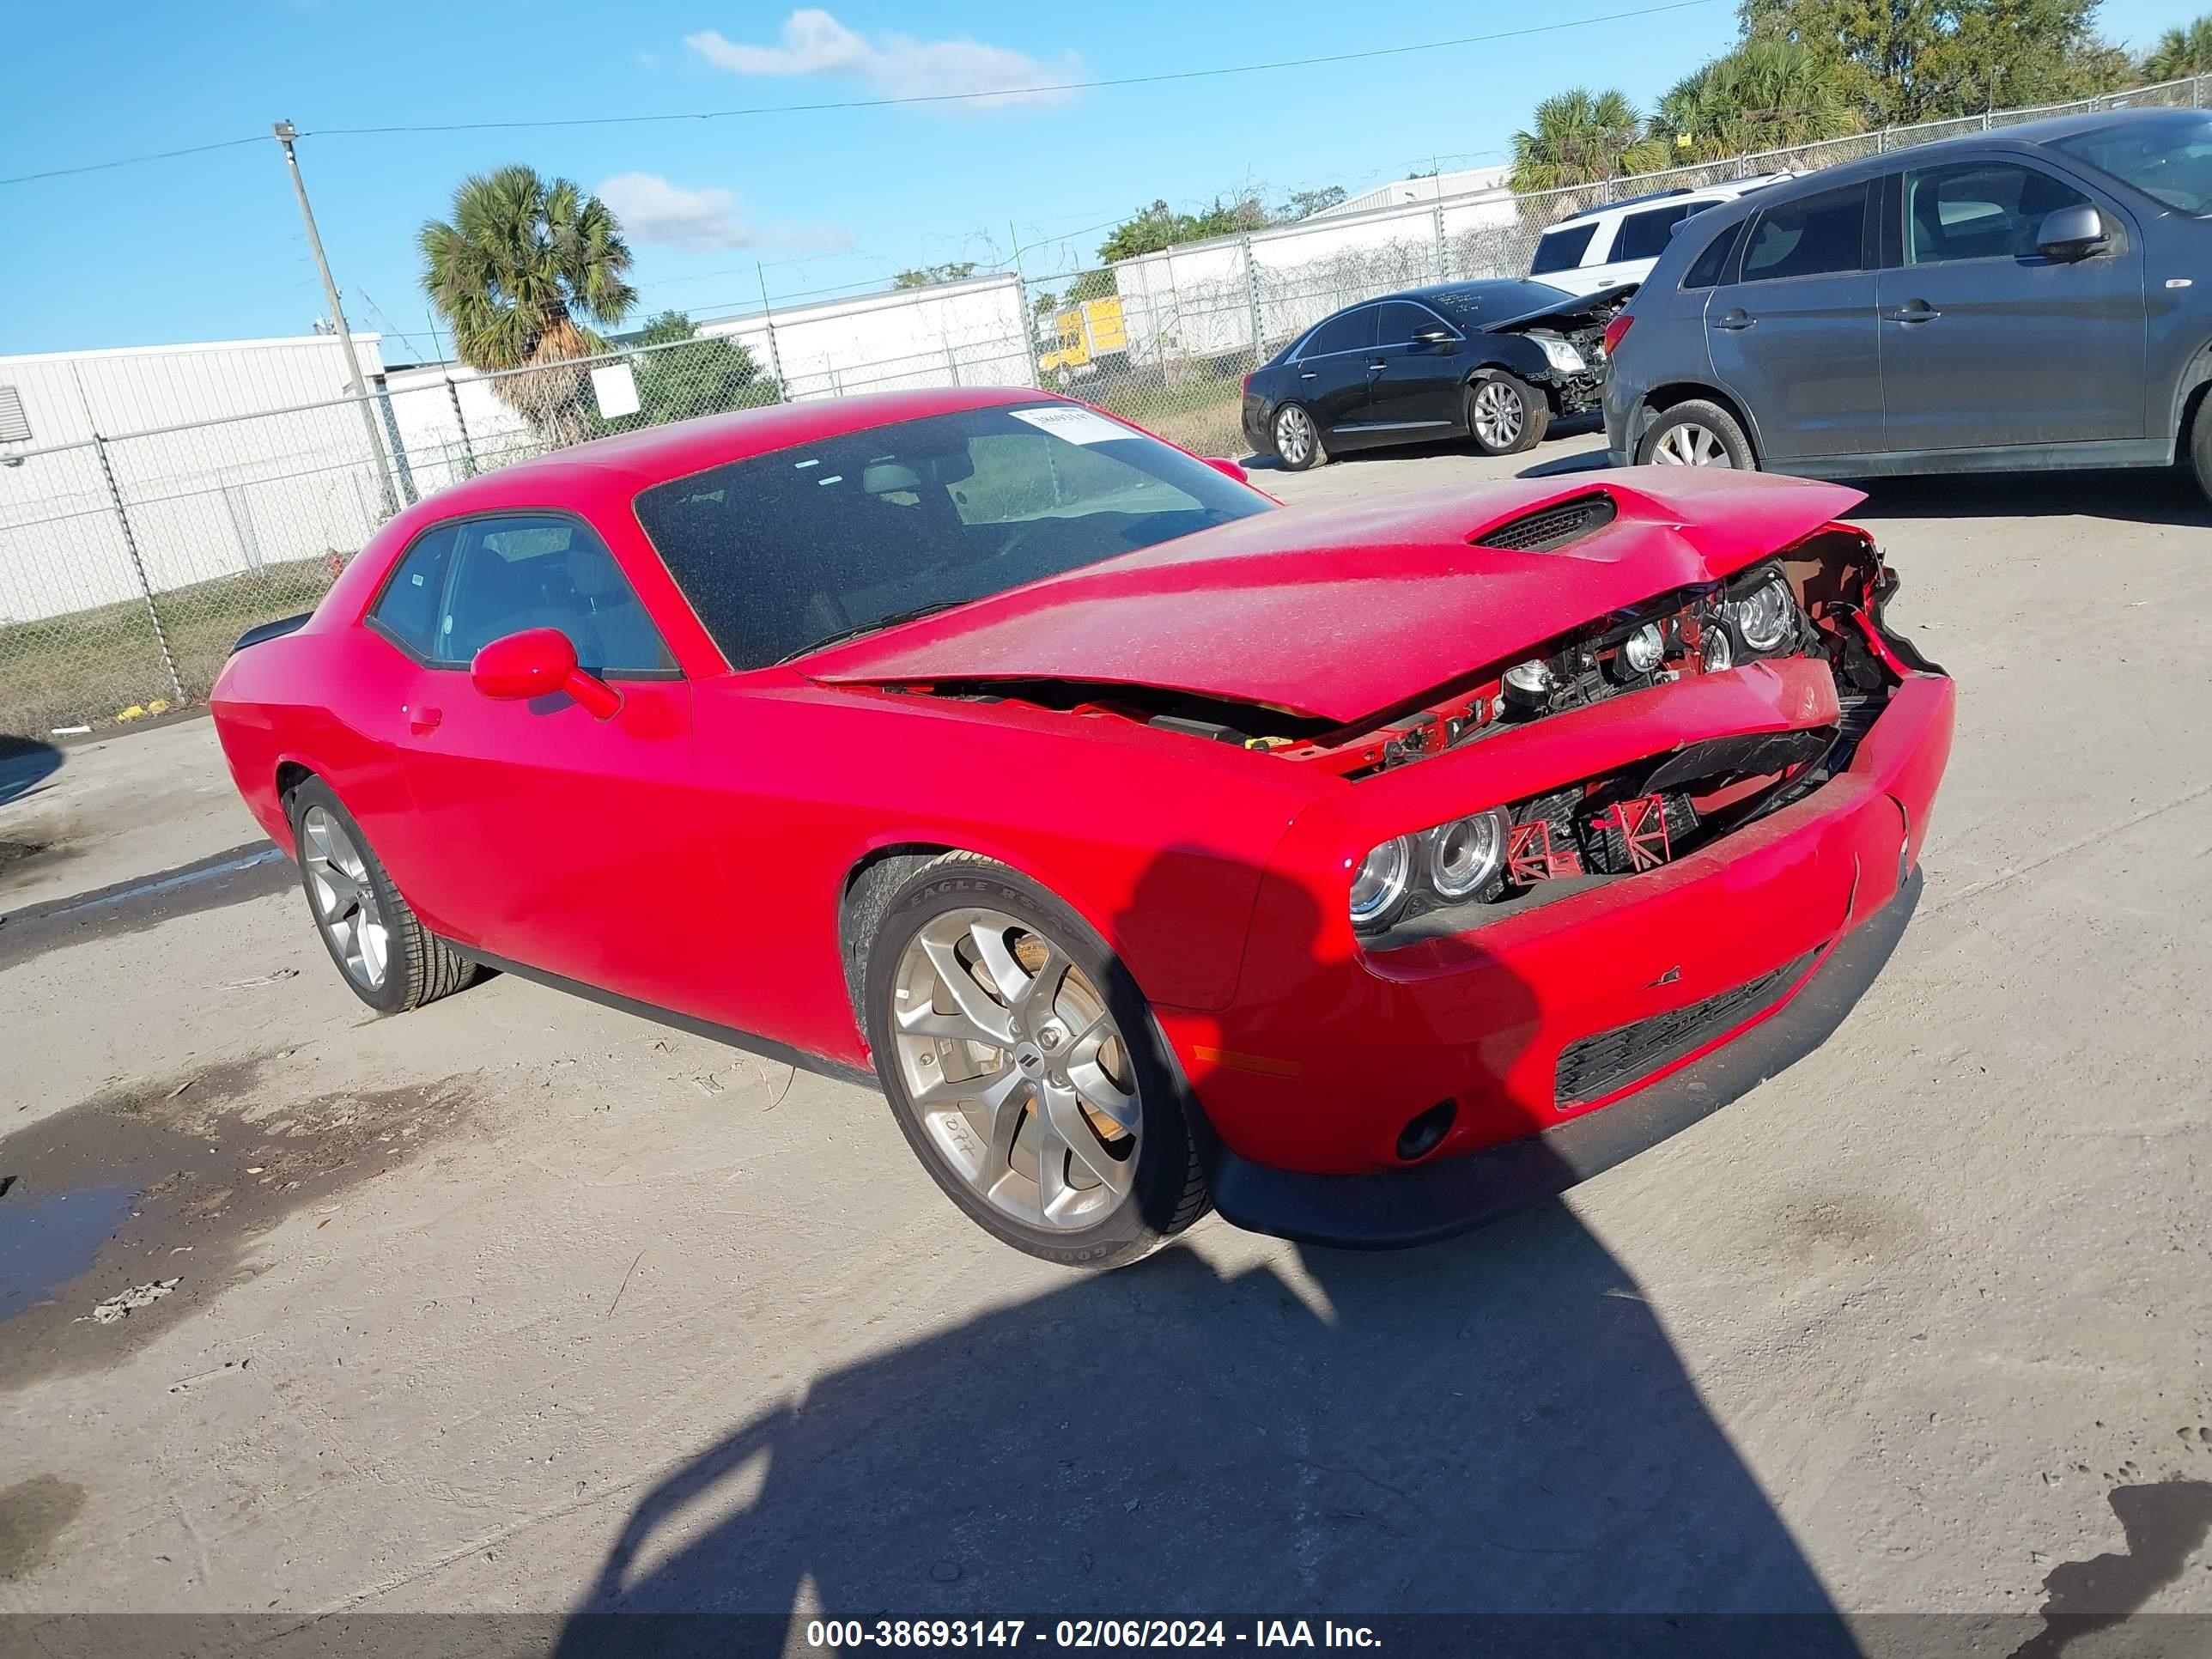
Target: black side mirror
(2071, 233)
(1436, 337)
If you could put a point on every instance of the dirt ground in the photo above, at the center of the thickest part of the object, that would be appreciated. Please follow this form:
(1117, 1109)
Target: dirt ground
(519, 1304)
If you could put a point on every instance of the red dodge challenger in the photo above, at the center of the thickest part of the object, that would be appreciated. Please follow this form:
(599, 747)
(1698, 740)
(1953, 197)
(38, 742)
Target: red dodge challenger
(1361, 872)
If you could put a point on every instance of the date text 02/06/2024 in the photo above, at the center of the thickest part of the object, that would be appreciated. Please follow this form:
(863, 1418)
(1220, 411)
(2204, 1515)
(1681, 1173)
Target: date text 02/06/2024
(841, 1634)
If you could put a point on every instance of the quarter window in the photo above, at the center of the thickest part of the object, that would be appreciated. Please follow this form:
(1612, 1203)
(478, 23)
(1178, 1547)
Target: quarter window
(1979, 210)
(465, 585)
(1352, 331)
(1707, 270)
(1815, 236)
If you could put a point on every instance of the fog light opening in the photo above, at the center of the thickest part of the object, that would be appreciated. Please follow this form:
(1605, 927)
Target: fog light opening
(1424, 1133)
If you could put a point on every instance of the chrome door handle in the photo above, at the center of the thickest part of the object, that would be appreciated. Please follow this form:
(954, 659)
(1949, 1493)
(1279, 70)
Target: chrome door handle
(1734, 319)
(1310, 374)
(1913, 311)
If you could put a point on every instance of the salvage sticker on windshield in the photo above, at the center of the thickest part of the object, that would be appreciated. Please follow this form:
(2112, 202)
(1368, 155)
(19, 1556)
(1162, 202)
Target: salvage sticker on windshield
(1078, 426)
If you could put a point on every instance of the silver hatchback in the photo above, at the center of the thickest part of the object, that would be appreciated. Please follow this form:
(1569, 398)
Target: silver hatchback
(2040, 297)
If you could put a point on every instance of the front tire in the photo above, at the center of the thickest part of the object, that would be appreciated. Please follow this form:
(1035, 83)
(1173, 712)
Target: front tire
(1506, 415)
(387, 957)
(1697, 433)
(2200, 445)
(1296, 438)
(1025, 1070)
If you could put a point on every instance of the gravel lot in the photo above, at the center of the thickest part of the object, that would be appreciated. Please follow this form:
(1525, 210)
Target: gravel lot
(519, 1303)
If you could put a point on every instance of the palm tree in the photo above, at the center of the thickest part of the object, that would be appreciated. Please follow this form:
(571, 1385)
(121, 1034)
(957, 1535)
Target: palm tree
(1767, 95)
(1578, 137)
(521, 258)
(2179, 51)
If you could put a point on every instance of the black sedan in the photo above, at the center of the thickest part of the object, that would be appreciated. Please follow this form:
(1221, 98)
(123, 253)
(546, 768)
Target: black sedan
(1495, 361)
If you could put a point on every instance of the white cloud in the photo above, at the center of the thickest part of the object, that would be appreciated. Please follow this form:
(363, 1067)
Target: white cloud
(653, 211)
(812, 42)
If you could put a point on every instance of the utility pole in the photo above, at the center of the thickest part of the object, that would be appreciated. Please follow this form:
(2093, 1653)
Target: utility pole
(285, 132)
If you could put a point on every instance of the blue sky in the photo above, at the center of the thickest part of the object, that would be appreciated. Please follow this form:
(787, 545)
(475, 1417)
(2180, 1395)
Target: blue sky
(209, 246)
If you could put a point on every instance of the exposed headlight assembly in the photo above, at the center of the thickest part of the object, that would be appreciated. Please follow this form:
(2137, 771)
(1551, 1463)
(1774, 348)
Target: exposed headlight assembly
(1766, 617)
(1563, 357)
(1454, 861)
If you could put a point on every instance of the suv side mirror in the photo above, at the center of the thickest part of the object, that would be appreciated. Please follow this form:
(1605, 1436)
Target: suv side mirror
(535, 662)
(2071, 233)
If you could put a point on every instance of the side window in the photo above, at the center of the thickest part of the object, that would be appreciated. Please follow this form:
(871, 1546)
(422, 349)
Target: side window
(1705, 270)
(1813, 236)
(1645, 235)
(1979, 210)
(1352, 332)
(545, 571)
(1402, 322)
(1562, 249)
(409, 608)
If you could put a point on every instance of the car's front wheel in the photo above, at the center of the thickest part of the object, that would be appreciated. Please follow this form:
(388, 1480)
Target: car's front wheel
(1297, 440)
(1506, 415)
(2200, 445)
(1697, 433)
(1025, 1070)
(389, 959)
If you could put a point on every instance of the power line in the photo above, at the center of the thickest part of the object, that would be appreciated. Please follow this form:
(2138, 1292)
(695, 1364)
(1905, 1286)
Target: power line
(1017, 92)
(132, 161)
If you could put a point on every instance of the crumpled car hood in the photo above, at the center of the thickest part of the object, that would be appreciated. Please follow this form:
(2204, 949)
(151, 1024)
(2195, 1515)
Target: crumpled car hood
(1338, 612)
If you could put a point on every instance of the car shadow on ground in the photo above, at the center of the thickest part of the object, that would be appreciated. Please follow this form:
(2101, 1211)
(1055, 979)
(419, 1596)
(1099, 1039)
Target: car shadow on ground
(1496, 1425)
(26, 764)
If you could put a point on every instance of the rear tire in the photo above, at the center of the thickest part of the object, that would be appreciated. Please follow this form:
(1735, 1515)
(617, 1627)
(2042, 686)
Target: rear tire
(386, 956)
(2200, 443)
(1506, 415)
(1697, 433)
(1025, 1069)
(1296, 438)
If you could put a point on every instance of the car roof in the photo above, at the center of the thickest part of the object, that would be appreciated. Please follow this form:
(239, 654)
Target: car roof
(656, 454)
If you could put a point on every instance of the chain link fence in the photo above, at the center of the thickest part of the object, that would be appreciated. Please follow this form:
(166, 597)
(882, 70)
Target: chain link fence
(130, 563)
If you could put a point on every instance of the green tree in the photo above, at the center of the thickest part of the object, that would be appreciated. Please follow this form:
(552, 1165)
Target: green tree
(522, 261)
(707, 376)
(2183, 50)
(930, 275)
(1159, 226)
(1915, 60)
(1304, 203)
(1767, 95)
(1579, 138)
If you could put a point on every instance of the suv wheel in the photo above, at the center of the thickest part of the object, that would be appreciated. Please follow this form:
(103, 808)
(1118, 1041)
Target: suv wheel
(1697, 433)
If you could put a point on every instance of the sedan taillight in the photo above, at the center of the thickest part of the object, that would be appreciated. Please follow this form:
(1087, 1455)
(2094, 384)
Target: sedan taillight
(1616, 331)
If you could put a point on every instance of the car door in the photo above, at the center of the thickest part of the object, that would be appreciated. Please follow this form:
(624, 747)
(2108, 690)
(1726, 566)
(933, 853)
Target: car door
(1418, 384)
(1333, 369)
(1985, 342)
(1794, 335)
(544, 835)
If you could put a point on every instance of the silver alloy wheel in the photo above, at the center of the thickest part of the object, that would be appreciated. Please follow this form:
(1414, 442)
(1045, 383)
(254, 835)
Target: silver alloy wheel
(1691, 445)
(1498, 415)
(1294, 435)
(345, 899)
(1017, 1069)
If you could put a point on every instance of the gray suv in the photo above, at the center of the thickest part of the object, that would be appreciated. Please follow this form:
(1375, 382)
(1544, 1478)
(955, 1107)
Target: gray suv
(2040, 297)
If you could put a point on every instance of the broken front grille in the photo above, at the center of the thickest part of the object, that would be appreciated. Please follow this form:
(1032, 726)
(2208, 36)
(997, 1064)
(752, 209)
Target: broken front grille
(1595, 1066)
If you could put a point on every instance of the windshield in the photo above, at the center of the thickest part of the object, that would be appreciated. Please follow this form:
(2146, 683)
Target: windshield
(2168, 160)
(782, 552)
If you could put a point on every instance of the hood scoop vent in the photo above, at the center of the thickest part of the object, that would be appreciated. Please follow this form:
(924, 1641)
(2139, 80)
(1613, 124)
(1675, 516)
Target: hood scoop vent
(1553, 527)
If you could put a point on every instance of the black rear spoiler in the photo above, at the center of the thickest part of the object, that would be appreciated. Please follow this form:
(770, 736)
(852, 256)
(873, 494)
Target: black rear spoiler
(271, 630)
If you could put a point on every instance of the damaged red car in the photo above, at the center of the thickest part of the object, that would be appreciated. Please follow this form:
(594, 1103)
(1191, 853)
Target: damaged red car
(1361, 872)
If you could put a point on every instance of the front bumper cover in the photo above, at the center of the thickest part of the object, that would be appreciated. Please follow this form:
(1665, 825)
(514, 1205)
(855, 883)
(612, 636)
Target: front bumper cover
(1429, 1201)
